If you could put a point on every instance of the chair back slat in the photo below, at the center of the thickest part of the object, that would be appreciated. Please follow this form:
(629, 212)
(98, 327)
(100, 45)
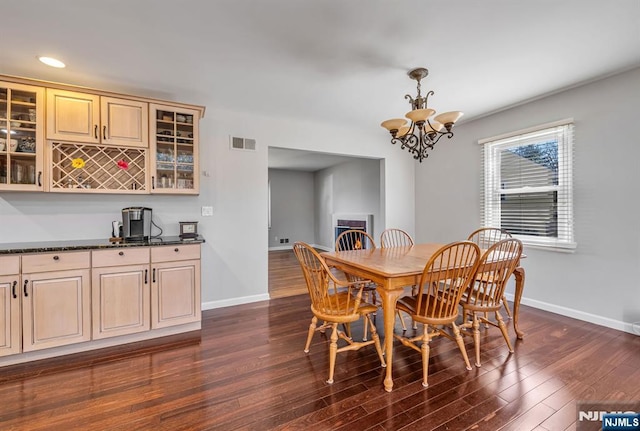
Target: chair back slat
(354, 239)
(485, 237)
(395, 238)
(326, 297)
(445, 278)
(494, 269)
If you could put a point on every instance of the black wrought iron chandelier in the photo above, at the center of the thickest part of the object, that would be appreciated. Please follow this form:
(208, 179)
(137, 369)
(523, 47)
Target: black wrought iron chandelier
(422, 134)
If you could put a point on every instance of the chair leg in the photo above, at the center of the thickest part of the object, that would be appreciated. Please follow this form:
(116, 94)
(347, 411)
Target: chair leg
(425, 355)
(312, 329)
(376, 340)
(460, 342)
(506, 306)
(364, 338)
(333, 351)
(503, 329)
(404, 327)
(476, 338)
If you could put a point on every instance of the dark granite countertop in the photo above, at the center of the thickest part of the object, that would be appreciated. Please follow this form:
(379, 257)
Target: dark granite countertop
(90, 244)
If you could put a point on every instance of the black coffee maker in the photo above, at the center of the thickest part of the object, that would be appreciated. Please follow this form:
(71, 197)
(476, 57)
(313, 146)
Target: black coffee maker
(136, 223)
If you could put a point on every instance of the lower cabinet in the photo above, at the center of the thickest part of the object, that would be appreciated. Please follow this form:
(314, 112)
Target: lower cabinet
(120, 292)
(50, 300)
(55, 309)
(175, 288)
(10, 325)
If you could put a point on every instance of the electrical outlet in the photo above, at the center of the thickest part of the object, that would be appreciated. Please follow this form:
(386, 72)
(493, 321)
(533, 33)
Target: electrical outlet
(207, 211)
(286, 240)
(281, 240)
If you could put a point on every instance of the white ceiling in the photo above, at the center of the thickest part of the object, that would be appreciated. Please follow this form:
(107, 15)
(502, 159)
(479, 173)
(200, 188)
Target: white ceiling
(328, 60)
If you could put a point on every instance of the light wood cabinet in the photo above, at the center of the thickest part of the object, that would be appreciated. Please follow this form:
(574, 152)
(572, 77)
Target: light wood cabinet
(10, 326)
(94, 119)
(21, 137)
(174, 150)
(120, 290)
(55, 309)
(55, 303)
(175, 288)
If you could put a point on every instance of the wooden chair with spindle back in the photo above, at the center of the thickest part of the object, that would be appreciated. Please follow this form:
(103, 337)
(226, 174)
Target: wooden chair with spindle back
(394, 237)
(485, 237)
(334, 302)
(354, 239)
(486, 291)
(445, 279)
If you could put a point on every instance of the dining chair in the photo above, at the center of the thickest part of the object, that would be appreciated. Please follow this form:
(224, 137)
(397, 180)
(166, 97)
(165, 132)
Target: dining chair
(445, 278)
(335, 302)
(485, 237)
(486, 293)
(394, 237)
(354, 239)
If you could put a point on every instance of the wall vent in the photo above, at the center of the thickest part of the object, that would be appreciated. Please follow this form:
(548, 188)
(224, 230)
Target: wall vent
(243, 144)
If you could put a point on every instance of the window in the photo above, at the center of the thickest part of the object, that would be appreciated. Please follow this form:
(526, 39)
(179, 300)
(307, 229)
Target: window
(527, 184)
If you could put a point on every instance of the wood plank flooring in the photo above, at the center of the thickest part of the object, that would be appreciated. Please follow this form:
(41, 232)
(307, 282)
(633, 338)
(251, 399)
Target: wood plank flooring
(249, 373)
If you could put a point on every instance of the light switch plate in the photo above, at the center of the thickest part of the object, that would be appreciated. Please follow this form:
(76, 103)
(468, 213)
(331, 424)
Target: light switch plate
(207, 211)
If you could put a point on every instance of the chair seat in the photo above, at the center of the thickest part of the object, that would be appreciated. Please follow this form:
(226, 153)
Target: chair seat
(349, 313)
(409, 304)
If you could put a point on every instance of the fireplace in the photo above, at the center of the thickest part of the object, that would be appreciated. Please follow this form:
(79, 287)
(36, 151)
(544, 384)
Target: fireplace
(343, 222)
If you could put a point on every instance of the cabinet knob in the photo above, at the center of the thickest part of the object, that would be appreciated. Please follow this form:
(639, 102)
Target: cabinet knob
(56, 257)
(176, 249)
(121, 253)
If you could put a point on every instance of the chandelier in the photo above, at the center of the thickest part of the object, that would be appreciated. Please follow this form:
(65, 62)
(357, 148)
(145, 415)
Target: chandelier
(422, 134)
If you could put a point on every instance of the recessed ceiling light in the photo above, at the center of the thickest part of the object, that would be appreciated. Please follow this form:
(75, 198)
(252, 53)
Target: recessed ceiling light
(49, 61)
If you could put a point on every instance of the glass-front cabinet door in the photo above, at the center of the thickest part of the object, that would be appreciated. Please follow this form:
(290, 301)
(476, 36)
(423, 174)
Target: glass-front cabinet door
(21, 137)
(174, 150)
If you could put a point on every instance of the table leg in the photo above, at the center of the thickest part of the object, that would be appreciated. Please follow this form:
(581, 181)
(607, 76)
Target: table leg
(389, 299)
(519, 274)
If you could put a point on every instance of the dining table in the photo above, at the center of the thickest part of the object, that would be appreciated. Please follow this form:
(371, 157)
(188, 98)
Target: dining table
(393, 269)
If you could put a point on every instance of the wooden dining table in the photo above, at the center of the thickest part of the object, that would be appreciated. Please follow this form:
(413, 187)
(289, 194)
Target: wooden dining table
(393, 269)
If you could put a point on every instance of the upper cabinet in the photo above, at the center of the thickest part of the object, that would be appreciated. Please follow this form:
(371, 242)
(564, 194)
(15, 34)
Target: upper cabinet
(21, 137)
(94, 119)
(174, 149)
(66, 139)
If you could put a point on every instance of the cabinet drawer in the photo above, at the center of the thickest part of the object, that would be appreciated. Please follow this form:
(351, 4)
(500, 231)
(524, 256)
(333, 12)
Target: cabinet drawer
(44, 262)
(120, 256)
(171, 253)
(9, 265)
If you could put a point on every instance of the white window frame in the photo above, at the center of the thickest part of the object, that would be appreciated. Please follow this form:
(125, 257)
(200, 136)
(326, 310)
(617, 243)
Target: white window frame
(492, 190)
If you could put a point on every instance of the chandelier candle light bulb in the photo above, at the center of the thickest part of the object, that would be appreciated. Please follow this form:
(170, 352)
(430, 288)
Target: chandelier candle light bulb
(421, 134)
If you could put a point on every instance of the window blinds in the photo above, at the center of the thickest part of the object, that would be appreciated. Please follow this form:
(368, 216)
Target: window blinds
(527, 185)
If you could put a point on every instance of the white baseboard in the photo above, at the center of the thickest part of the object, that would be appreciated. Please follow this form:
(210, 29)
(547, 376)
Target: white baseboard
(631, 328)
(281, 247)
(234, 301)
(290, 247)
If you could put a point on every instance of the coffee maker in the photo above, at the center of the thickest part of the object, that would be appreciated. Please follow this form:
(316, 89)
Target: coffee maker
(136, 223)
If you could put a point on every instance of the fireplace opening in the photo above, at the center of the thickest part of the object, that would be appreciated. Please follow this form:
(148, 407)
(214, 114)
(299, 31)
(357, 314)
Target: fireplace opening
(362, 223)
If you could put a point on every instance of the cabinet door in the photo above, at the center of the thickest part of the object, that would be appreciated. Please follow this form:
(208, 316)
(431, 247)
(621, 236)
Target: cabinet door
(174, 150)
(10, 325)
(21, 137)
(73, 116)
(175, 293)
(120, 300)
(124, 122)
(55, 309)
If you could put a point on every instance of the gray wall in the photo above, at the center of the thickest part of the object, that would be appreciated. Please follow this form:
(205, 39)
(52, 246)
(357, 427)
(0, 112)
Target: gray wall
(599, 282)
(352, 187)
(292, 207)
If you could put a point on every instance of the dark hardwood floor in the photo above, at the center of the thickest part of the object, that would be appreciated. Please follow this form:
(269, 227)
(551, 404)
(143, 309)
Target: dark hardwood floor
(249, 373)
